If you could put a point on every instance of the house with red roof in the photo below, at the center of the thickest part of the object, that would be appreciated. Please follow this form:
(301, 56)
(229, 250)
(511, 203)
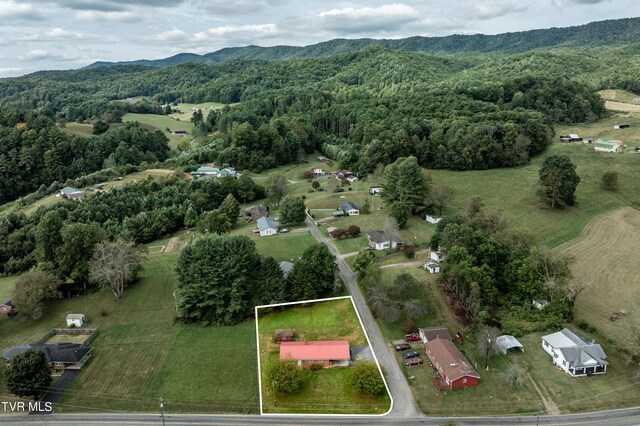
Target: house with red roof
(454, 371)
(328, 353)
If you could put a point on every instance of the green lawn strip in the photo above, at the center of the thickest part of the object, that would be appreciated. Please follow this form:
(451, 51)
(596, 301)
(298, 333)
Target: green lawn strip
(619, 96)
(6, 287)
(187, 110)
(325, 391)
(77, 129)
(159, 122)
(209, 369)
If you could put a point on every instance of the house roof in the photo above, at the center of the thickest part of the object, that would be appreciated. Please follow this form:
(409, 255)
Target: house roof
(68, 190)
(506, 342)
(565, 338)
(380, 237)
(574, 136)
(54, 352)
(317, 350)
(607, 145)
(445, 354)
(286, 267)
(256, 210)
(438, 331)
(348, 205)
(265, 223)
(75, 316)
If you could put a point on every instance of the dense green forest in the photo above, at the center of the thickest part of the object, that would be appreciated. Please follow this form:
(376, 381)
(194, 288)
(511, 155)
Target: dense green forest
(619, 31)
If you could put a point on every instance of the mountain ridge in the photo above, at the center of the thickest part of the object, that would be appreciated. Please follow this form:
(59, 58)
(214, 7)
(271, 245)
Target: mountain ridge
(598, 33)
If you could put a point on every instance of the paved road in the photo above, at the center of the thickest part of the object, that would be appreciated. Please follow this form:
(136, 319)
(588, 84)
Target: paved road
(403, 403)
(626, 417)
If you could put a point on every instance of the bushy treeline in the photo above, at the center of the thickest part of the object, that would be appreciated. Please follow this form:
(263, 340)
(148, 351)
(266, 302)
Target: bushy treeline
(139, 212)
(34, 152)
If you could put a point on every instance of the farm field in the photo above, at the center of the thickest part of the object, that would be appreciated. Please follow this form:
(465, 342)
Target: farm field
(77, 129)
(619, 96)
(187, 110)
(325, 391)
(151, 355)
(163, 122)
(605, 255)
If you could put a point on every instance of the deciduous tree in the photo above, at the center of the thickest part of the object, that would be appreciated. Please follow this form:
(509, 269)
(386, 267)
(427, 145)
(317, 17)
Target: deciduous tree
(214, 222)
(276, 187)
(32, 289)
(285, 376)
(400, 211)
(364, 259)
(115, 265)
(230, 208)
(366, 377)
(558, 181)
(313, 274)
(292, 210)
(79, 241)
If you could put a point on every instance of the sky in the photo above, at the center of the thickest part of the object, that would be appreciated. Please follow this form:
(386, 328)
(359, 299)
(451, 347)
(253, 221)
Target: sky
(64, 34)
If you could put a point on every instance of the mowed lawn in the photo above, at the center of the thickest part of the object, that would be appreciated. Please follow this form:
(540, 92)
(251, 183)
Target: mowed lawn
(186, 110)
(6, 287)
(140, 353)
(325, 391)
(605, 255)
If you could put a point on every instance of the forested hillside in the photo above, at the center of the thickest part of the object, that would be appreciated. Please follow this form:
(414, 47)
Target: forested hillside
(602, 33)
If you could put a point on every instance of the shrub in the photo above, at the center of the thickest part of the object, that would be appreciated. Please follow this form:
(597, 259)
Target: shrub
(315, 367)
(409, 251)
(409, 326)
(584, 325)
(514, 376)
(365, 377)
(285, 376)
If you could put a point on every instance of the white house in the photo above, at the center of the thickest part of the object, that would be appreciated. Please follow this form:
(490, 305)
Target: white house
(438, 255)
(319, 172)
(433, 219)
(75, 320)
(380, 241)
(349, 208)
(352, 178)
(432, 267)
(375, 190)
(575, 355)
(267, 226)
(540, 303)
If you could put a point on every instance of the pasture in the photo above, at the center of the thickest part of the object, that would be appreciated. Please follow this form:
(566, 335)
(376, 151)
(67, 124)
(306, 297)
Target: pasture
(77, 129)
(605, 256)
(326, 391)
(186, 110)
(6, 287)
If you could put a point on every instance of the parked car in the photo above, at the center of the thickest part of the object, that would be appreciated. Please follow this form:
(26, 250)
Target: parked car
(413, 337)
(403, 347)
(413, 361)
(411, 354)
(284, 230)
(368, 248)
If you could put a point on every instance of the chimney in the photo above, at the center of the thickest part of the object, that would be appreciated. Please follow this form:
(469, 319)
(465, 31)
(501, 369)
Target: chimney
(593, 341)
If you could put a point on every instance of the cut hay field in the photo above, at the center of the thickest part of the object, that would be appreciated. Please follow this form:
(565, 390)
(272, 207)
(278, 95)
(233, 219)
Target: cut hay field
(187, 110)
(159, 122)
(326, 391)
(606, 255)
(77, 129)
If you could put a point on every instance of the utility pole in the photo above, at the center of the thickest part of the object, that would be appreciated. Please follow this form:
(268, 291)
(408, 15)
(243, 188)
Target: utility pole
(486, 359)
(162, 410)
(538, 416)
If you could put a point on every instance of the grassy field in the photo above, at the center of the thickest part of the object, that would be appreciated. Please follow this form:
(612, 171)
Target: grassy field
(326, 391)
(6, 287)
(140, 354)
(511, 191)
(77, 129)
(187, 110)
(605, 256)
(620, 96)
(163, 122)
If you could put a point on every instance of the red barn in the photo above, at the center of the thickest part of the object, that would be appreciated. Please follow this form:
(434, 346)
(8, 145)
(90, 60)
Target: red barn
(328, 353)
(454, 371)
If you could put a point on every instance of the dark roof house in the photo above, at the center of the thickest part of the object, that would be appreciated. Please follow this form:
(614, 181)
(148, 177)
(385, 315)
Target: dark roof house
(431, 333)
(58, 355)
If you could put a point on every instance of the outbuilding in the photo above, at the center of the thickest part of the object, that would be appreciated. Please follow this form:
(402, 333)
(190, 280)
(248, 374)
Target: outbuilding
(284, 335)
(433, 219)
(72, 193)
(75, 320)
(601, 146)
(508, 343)
(432, 267)
(540, 303)
(438, 255)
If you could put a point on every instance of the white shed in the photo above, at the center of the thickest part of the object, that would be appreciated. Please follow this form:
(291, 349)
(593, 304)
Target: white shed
(433, 219)
(438, 255)
(433, 268)
(75, 320)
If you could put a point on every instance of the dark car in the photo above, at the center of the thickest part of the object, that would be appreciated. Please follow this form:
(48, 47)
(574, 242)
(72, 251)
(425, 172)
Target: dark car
(413, 361)
(402, 347)
(411, 354)
(413, 337)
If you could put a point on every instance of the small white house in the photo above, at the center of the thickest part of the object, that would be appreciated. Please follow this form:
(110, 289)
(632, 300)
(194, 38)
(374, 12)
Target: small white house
(352, 178)
(349, 208)
(575, 355)
(432, 267)
(540, 303)
(433, 219)
(267, 226)
(438, 255)
(75, 320)
(380, 241)
(319, 172)
(375, 190)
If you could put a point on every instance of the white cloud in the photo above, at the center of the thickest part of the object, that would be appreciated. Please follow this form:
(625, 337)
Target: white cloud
(369, 19)
(171, 36)
(10, 9)
(241, 33)
(44, 55)
(110, 16)
(496, 8)
(11, 71)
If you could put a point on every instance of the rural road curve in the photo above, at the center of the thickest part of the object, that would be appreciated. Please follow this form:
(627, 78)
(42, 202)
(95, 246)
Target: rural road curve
(625, 417)
(403, 403)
